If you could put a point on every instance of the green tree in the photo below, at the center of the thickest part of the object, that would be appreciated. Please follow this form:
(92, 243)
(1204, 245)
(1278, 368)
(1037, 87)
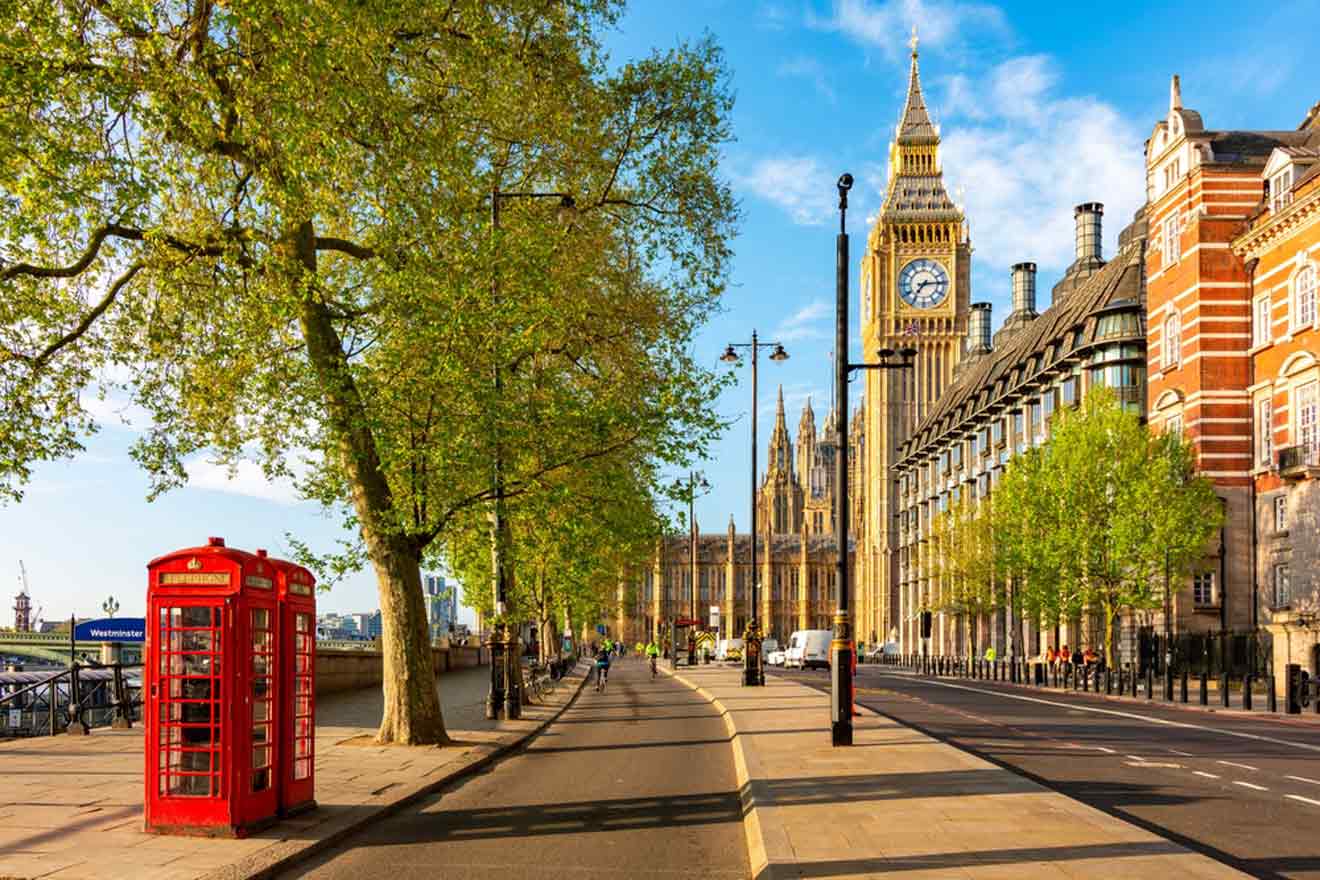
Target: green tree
(963, 558)
(267, 223)
(1107, 505)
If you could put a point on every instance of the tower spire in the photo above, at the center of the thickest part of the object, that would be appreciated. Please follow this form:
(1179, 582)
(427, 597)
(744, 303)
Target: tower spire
(915, 126)
(1175, 94)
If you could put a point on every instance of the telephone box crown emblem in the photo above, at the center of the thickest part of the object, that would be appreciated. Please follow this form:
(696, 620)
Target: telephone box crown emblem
(194, 564)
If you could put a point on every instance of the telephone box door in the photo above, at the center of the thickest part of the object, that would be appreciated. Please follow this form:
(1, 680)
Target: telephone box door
(259, 758)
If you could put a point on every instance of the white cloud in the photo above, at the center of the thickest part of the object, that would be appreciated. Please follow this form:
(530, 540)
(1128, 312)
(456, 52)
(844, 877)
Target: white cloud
(1030, 157)
(811, 70)
(245, 479)
(115, 411)
(806, 323)
(798, 184)
(772, 16)
(887, 25)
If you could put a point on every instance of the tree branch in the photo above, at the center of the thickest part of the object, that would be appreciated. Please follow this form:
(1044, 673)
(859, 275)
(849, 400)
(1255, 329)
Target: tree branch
(85, 324)
(324, 243)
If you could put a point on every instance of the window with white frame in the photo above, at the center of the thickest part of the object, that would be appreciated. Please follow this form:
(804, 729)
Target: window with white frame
(1304, 299)
(1305, 406)
(1173, 424)
(1172, 240)
(1172, 356)
(1281, 512)
(1282, 585)
(1264, 432)
(1281, 189)
(1203, 588)
(1261, 333)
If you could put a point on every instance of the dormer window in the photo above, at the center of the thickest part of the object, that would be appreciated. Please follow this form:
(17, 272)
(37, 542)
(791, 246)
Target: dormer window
(1281, 189)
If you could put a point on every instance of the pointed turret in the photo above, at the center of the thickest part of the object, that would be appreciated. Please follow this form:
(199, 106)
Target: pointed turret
(806, 440)
(915, 126)
(1175, 94)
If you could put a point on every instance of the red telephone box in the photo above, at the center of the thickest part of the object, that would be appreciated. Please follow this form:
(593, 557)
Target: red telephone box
(295, 590)
(211, 692)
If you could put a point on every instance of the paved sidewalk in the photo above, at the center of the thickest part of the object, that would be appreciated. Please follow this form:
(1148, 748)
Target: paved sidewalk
(71, 807)
(899, 801)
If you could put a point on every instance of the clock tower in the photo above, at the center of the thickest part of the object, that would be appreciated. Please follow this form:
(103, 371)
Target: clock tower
(915, 292)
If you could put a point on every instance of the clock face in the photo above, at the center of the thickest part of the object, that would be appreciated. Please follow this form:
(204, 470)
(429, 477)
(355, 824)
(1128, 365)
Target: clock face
(923, 283)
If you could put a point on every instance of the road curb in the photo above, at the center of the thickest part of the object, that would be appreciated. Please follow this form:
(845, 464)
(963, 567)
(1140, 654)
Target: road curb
(757, 828)
(288, 852)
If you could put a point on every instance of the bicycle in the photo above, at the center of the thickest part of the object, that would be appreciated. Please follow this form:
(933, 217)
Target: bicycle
(540, 684)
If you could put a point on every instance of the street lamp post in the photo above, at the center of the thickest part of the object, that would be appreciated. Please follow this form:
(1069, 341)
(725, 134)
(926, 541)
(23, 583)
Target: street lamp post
(753, 673)
(842, 649)
(505, 668)
(692, 487)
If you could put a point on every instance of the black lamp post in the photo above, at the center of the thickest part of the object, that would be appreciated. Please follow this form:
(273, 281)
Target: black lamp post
(695, 482)
(842, 648)
(753, 673)
(505, 665)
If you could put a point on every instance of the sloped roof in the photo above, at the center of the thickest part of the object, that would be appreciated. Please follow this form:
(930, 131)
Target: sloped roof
(1036, 347)
(915, 126)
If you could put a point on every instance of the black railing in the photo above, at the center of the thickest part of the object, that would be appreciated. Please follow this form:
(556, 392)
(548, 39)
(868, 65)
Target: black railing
(71, 700)
(1295, 457)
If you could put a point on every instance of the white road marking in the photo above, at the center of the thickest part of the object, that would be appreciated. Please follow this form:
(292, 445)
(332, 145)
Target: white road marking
(1106, 750)
(1133, 715)
(1235, 764)
(1134, 757)
(1303, 779)
(1206, 775)
(1153, 764)
(1183, 754)
(1305, 800)
(1250, 785)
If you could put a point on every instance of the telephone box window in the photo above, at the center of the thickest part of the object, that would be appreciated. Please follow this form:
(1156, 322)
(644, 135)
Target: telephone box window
(189, 720)
(303, 732)
(262, 710)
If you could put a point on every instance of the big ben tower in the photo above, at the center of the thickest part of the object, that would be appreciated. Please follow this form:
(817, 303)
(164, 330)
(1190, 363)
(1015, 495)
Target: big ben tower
(915, 292)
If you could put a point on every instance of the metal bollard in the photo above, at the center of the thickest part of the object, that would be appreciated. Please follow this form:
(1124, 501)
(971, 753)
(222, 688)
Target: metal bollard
(1271, 698)
(1223, 690)
(1182, 685)
(1205, 690)
(1246, 692)
(1150, 682)
(1168, 684)
(1086, 679)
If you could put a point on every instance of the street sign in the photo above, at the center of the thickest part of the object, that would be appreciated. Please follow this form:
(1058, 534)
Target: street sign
(112, 629)
(16, 717)
(687, 621)
(600, 628)
(714, 617)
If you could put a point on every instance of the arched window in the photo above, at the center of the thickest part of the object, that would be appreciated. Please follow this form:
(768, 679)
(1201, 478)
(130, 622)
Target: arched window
(1304, 299)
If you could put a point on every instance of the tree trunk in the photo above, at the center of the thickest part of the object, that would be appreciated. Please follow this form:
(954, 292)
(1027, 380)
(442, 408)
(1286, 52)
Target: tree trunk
(412, 713)
(1109, 637)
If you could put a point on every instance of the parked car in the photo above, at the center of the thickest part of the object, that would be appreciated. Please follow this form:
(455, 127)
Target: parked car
(880, 653)
(809, 648)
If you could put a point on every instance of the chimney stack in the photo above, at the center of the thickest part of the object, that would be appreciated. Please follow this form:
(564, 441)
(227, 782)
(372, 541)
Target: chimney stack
(1088, 231)
(1024, 289)
(978, 328)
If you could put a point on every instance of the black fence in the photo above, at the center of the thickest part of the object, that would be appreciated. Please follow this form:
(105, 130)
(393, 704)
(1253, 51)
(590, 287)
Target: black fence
(69, 700)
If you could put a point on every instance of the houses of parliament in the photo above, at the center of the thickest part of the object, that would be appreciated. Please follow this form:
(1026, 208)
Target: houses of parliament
(915, 289)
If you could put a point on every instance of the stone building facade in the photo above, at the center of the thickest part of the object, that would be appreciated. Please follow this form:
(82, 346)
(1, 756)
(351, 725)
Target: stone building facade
(1002, 402)
(1278, 246)
(796, 550)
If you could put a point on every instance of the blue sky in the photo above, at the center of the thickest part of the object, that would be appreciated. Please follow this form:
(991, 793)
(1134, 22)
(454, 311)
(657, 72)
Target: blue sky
(1041, 106)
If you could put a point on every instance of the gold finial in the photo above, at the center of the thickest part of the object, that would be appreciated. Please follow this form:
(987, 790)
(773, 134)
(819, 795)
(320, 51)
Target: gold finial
(913, 42)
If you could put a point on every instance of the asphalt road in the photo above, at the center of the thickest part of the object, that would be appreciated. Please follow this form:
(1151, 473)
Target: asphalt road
(635, 782)
(1245, 791)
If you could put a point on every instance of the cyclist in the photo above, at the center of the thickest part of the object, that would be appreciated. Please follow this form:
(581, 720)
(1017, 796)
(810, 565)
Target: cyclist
(652, 654)
(602, 668)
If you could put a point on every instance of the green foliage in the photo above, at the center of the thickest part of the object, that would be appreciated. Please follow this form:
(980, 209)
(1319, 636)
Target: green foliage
(269, 224)
(964, 561)
(1088, 522)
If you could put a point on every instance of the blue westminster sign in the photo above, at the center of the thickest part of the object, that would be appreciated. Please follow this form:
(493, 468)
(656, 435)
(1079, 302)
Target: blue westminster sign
(112, 629)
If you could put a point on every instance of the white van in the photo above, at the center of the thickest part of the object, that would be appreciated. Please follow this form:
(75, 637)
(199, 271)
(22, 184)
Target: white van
(808, 648)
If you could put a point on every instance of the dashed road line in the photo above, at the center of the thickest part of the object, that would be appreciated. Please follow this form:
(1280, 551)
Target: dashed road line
(1303, 779)
(1305, 800)
(1206, 775)
(1149, 719)
(1106, 750)
(1182, 753)
(1134, 757)
(1250, 785)
(1235, 764)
